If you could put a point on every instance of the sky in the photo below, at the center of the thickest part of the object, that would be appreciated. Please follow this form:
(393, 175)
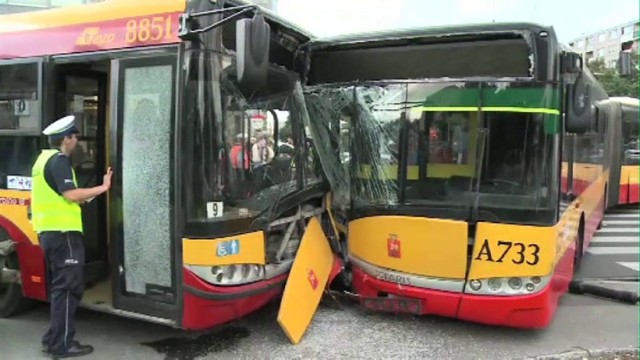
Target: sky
(570, 18)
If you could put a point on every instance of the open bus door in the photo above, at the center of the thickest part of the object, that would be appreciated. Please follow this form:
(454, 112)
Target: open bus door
(142, 198)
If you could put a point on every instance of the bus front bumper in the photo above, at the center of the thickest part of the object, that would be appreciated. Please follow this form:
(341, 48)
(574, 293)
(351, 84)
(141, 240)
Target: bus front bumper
(518, 311)
(206, 306)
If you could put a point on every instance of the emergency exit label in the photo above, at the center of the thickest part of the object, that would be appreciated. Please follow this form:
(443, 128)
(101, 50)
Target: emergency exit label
(227, 248)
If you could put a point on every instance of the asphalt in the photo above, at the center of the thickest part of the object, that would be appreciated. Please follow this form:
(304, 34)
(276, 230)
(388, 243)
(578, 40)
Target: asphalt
(346, 331)
(585, 326)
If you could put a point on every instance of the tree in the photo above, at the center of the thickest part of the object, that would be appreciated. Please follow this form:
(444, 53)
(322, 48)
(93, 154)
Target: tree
(614, 84)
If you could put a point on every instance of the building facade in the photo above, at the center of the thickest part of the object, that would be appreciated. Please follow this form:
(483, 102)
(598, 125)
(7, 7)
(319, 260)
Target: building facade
(15, 6)
(607, 44)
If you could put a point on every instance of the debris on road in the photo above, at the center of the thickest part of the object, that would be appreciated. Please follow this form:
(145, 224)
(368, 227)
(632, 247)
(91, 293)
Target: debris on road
(583, 354)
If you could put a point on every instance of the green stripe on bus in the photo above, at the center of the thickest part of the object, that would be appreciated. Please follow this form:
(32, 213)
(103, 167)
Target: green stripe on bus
(536, 98)
(492, 109)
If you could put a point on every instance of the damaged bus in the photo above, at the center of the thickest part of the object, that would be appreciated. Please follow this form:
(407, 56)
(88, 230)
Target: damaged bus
(456, 140)
(198, 111)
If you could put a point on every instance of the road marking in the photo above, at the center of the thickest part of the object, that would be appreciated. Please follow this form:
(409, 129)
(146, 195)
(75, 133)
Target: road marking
(614, 250)
(634, 265)
(614, 239)
(623, 215)
(618, 230)
(623, 221)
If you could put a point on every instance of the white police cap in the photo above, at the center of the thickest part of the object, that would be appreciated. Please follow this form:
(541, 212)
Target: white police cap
(61, 127)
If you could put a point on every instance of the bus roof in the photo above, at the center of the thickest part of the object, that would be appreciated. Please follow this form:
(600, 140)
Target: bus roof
(109, 25)
(409, 33)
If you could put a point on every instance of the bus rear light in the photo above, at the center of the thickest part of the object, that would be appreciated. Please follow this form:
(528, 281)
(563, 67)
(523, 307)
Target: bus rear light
(507, 286)
(239, 274)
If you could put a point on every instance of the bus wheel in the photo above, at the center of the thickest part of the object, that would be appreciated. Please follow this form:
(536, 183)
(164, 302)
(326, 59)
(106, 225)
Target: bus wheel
(12, 301)
(577, 258)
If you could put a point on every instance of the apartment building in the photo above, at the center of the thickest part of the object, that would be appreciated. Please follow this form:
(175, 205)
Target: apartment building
(607, 44)
(15, 6)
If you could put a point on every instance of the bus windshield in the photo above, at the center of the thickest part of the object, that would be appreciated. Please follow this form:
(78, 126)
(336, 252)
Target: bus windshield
(241, 147)
(474, 150)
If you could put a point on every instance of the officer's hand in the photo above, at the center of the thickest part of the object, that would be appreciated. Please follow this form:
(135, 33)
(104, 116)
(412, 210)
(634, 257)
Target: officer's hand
(106, 180)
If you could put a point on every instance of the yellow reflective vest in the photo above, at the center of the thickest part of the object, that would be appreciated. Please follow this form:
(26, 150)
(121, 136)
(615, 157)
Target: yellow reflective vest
(50, 210)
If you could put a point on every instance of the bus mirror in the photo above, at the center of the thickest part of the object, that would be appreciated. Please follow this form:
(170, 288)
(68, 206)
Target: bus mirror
(580, 111)
(624, 63)
(252, 50)
(571, 63)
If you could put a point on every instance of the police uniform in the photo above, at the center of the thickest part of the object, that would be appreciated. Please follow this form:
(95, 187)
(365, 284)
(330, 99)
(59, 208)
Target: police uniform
(58, 223)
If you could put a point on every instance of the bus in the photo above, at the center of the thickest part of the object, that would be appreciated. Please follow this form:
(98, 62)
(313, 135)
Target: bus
(478, 170)
(626, 111)
(192, 108)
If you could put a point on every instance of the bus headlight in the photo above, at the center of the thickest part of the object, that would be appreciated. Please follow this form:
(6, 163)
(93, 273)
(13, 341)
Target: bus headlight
(229, 275)
(515, 285)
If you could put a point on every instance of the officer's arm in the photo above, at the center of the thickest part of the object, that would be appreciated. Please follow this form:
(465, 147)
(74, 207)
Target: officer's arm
(63, 177)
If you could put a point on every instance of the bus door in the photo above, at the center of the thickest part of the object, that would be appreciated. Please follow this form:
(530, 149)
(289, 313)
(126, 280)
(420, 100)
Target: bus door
(142, 194)
(80, 89)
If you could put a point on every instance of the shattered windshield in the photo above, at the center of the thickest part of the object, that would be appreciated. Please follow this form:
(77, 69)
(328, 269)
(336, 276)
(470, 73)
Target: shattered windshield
(241, 148)
(467, 150)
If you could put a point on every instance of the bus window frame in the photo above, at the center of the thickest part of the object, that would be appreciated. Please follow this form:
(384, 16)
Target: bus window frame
(121, 298)
(41, 95)
(143, 306)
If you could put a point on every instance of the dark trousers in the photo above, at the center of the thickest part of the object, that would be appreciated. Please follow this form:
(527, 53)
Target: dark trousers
(64, 256)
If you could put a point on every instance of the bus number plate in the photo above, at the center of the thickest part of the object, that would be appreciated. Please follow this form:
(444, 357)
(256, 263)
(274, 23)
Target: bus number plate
(392, 304)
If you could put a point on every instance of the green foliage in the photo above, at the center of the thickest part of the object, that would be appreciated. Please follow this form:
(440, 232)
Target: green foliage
(614, 84)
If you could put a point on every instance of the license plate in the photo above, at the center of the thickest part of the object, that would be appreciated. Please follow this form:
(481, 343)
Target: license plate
(392, 304)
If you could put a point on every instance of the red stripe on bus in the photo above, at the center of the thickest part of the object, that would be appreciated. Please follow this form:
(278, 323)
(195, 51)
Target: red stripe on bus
(131, 32)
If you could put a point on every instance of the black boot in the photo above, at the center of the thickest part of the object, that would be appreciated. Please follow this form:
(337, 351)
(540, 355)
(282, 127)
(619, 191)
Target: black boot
(76, 349)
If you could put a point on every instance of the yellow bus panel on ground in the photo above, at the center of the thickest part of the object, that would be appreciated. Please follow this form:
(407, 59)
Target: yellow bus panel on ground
(306, 283)
(505, 250)
(414, 245)
(212, 252)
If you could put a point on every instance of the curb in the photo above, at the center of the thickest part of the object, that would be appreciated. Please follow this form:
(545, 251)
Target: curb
(581, 353)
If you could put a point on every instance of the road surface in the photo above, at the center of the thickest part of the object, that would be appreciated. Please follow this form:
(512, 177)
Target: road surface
(613, 252)
(348, 332)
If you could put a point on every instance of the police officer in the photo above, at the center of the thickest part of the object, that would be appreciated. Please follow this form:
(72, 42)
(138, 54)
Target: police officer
(57, 218)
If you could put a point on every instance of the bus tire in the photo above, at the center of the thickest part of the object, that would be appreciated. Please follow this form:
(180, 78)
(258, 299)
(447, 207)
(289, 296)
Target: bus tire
(577, 257)
(12, 302)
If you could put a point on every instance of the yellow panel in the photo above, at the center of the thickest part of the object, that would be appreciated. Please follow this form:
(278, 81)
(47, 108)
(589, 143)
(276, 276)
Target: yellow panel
(513, 250)
(248, 249)
(306, 283)
(414, 245)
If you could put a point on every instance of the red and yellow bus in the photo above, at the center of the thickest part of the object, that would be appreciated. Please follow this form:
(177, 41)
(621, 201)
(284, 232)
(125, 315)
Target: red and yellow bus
(189, 236)
(459, 205)
(629, 148)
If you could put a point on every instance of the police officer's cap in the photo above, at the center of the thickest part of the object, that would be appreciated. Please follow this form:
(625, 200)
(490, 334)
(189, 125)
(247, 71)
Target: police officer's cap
(62, 127)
